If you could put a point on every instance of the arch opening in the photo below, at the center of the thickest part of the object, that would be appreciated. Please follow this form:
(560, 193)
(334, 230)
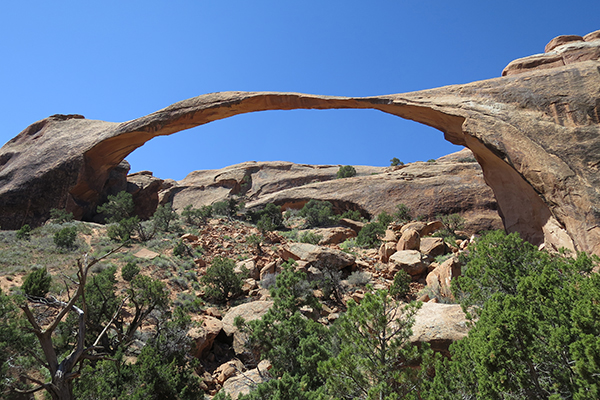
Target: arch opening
(329, 137)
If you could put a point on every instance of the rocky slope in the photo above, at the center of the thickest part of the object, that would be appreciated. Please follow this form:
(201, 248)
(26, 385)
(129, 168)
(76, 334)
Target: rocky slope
(535, 134)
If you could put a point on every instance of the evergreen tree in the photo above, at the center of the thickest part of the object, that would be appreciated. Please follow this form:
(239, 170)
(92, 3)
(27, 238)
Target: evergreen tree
(536, 336)
(376, 359)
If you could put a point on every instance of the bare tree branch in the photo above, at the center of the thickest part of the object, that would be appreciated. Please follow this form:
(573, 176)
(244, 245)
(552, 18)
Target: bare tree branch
(110, 322)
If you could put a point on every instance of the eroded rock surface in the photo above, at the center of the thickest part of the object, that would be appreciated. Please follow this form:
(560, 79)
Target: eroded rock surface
(536, 136)
(427, 188)
(439, 325)
(562, 50)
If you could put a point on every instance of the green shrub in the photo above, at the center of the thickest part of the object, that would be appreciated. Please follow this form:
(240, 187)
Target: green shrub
(65, 238)
(129, 271)
(37, 283)
(60, 216)
(123, 230)
(291, 236)
(402, 213)
(536, 336)
(401, 284)
(452, 223)
(164, 217)
(354, 215)
(118, 210)
(117, 207)
(395, 161)
(348, 244)
(318, 213)
(384, 219)
(431, 160)
(310, 237)
(24, 233)
(222, 283)
(293, 343)
(195, 216)
(181, 249)
(255, 241)
(359, 278)
(269, 218)
(372, 337)
(220, 209)
(368, 235)
(346, 171)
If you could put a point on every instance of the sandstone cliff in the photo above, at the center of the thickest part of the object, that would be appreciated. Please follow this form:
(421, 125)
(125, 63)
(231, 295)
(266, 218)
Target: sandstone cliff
(535, 134)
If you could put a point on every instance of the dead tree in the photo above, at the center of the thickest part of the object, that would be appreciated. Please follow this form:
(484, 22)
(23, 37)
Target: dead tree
(63, 373)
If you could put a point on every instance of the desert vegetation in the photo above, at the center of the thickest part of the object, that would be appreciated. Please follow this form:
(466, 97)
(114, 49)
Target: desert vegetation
(129, 309)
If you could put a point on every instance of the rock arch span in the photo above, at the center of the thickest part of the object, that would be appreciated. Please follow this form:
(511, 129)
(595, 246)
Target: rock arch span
(536, 136)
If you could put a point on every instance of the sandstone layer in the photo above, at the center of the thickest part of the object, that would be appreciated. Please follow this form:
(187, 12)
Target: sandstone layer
(452, 184)
(535, 134)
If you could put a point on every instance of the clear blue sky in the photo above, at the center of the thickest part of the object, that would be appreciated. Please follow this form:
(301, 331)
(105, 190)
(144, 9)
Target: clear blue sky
(119, 60)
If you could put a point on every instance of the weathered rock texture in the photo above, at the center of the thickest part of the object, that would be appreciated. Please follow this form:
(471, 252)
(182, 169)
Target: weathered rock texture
(535, 134)
(440, 325)
(452, 184)
(562, 50)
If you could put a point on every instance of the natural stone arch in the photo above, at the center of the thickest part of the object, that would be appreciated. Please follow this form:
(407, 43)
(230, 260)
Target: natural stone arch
(528, 132)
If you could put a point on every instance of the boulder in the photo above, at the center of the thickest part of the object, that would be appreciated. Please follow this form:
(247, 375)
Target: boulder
(146, 254)
(386, 250)
(356, 226)
(227, 370)
(249, 312)
(204, 335)
(592, 36)
(248, 267)
(409, 260)
(335, 235)
(440, 325)
(269, 268)
(245, 382)
(318, 255)
(432, 247)
(390, 236)
(410, 240)
(144, 189)
(439, 279)
(432, 227)
(417, 226)
(188, 237)
(560, 40)
(560, 51)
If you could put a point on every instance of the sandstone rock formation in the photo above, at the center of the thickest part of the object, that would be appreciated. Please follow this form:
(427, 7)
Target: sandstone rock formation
(247, 381)
(317, 256)
(439, 325)
(450, 185)
(562, 50)
(249, 312)
(535, 134)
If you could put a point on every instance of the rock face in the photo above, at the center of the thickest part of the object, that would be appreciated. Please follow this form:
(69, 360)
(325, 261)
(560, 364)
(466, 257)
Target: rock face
(535, 134)
(248, 311)
(562, 50)
(450, 185)
(439, 325)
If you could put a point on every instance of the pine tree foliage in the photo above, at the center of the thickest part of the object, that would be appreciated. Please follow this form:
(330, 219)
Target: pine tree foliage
(536, 336)
(376, 359)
